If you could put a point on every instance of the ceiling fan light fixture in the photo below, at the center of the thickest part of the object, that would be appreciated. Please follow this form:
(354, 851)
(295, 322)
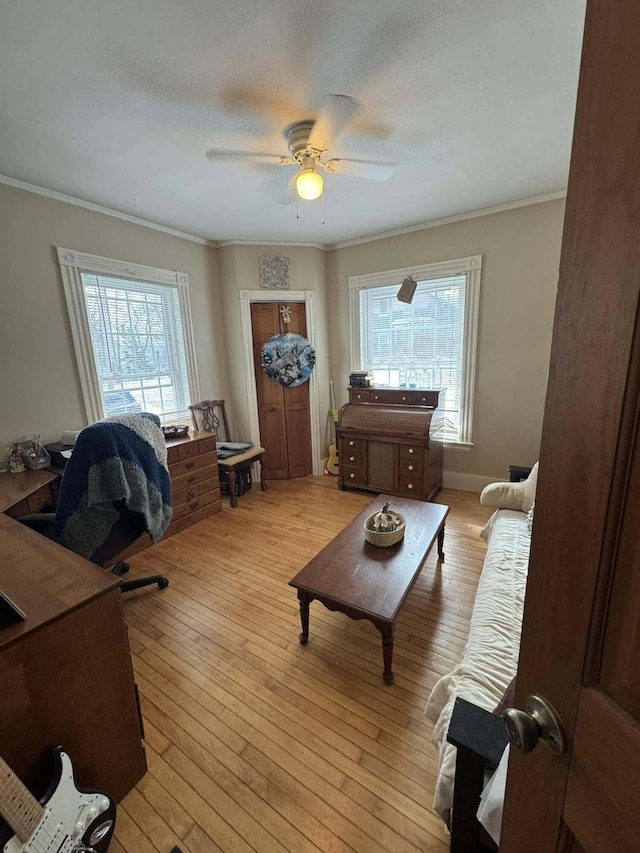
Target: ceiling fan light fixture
(309, 184)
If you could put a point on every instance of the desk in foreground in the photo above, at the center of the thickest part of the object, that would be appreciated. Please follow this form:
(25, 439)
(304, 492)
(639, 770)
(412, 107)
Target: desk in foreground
(366, 582)
(66, 670)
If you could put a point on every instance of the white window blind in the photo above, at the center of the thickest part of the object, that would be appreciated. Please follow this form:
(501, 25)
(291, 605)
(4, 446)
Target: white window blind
(137, 335)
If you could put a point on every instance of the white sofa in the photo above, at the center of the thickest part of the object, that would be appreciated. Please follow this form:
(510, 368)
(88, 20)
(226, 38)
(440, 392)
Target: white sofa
(490, 656)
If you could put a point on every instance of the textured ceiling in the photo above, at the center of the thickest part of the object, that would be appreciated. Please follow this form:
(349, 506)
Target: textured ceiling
(116, 102)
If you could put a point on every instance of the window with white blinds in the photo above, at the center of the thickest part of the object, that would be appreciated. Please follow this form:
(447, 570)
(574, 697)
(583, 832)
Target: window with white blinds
(132, 335)
(430, 343)
(138, 346)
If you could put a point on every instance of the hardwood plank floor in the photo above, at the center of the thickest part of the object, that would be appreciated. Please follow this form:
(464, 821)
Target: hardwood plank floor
(255, 742)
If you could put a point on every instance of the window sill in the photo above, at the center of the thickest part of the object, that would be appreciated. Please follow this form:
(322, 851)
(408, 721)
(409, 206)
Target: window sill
(458, 446)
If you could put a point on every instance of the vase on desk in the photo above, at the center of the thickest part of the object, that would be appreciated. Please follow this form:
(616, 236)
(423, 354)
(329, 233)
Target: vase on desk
(412, 378)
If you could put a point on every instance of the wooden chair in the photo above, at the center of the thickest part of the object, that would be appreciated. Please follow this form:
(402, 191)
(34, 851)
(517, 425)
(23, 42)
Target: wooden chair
(206, 418)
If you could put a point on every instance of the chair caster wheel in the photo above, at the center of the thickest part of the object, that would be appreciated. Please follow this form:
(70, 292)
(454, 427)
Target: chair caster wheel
(163, 583)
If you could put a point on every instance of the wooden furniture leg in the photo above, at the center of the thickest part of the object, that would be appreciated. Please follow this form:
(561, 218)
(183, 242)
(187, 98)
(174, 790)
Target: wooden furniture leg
(441, 544)
(263, 484)
(387, 652)
(232, 487)
(304, 599)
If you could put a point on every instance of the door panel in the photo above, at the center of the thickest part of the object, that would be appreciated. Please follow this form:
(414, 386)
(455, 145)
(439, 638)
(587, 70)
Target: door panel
(383, 466)
(601, 806)
(297, 402)
(582, 607)
(283, 413)
(265, 322)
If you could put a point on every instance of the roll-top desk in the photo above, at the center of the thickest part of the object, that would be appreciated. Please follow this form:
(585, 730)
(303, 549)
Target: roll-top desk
(391, 444)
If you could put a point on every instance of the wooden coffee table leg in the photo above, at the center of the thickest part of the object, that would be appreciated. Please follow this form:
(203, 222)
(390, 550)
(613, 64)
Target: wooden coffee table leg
(441, 544)
(387, 652)
(303, 598)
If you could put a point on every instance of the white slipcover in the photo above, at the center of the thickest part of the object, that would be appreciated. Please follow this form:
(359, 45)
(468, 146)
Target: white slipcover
(490, 656)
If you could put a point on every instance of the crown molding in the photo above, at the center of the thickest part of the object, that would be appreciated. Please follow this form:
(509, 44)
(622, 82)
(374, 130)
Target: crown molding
(222, 244)
(326, 247)
(98, 208)
(434, 223)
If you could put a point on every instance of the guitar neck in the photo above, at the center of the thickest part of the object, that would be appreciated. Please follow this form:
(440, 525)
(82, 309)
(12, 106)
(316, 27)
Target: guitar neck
(18, 807)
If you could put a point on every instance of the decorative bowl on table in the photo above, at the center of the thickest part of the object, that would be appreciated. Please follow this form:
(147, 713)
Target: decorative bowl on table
(176, 431)
(385, 527)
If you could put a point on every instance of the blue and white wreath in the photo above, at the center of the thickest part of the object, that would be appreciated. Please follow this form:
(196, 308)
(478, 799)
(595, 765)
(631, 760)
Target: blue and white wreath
(288, 359)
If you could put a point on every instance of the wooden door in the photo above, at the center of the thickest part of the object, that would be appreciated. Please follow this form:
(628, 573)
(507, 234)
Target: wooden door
(581, 632)
(283, 413)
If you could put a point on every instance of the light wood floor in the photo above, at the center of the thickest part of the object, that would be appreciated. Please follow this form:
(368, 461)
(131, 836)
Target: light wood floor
(255, 742)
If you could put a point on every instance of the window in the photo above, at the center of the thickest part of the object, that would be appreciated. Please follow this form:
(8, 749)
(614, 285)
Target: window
(428, 344)
(132, 335)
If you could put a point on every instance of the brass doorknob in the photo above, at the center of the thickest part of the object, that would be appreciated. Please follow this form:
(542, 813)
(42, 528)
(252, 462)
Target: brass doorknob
(539, 722)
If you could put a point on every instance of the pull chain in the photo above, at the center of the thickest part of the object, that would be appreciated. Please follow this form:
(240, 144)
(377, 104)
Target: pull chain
(322, 217)
(297, 207)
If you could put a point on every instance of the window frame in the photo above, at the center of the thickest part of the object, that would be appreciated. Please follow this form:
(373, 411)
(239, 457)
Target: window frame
(471, 268)
(72, 265)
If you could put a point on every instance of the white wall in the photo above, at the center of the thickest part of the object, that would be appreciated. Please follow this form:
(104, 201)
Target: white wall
(40, 392)
(39, 389)
(521, 254)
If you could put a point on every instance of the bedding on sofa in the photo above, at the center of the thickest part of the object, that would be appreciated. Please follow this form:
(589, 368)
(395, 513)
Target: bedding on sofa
(490, 656)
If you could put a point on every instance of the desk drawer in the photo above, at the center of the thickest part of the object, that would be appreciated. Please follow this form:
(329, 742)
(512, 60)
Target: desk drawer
(197, 503)
(35, 502)
(194, 491)
(188, 466)
(193, 477)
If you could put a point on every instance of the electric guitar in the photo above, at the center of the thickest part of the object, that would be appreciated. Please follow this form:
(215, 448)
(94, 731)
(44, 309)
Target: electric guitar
(68, 820)
(333, 466)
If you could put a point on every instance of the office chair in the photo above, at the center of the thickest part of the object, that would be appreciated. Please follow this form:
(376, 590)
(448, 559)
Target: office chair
(115, 488)
(232, 457)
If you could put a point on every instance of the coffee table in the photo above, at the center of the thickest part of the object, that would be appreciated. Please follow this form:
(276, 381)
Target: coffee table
(366, 582)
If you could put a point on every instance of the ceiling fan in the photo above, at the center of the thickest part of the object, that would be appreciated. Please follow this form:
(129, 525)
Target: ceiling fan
(308, 142)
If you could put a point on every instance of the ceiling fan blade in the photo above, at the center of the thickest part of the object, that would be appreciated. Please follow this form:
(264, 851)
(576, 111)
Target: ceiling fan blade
(337, 112)
(219, 154)
(373, 170)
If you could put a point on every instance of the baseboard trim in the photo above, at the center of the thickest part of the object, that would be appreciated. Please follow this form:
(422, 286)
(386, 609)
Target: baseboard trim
(465, 482)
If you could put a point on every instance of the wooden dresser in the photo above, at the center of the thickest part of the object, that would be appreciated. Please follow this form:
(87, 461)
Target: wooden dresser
(394, 449)
(195, 485)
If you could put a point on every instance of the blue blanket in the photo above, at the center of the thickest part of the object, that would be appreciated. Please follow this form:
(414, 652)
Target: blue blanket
(117, 463)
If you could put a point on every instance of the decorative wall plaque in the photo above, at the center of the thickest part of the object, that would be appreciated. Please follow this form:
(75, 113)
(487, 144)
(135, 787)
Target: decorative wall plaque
(274, 273)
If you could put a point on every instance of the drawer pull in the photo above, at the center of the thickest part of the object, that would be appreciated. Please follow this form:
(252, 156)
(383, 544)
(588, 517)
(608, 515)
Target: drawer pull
(189, 465)
(410, 467)
(194, 505)
(411, 450)
(352, 459)
(376, 396)
(353, 476)
(191, 479)
(404, 398)
(351, 443)
(409, 485)
(190, 496)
